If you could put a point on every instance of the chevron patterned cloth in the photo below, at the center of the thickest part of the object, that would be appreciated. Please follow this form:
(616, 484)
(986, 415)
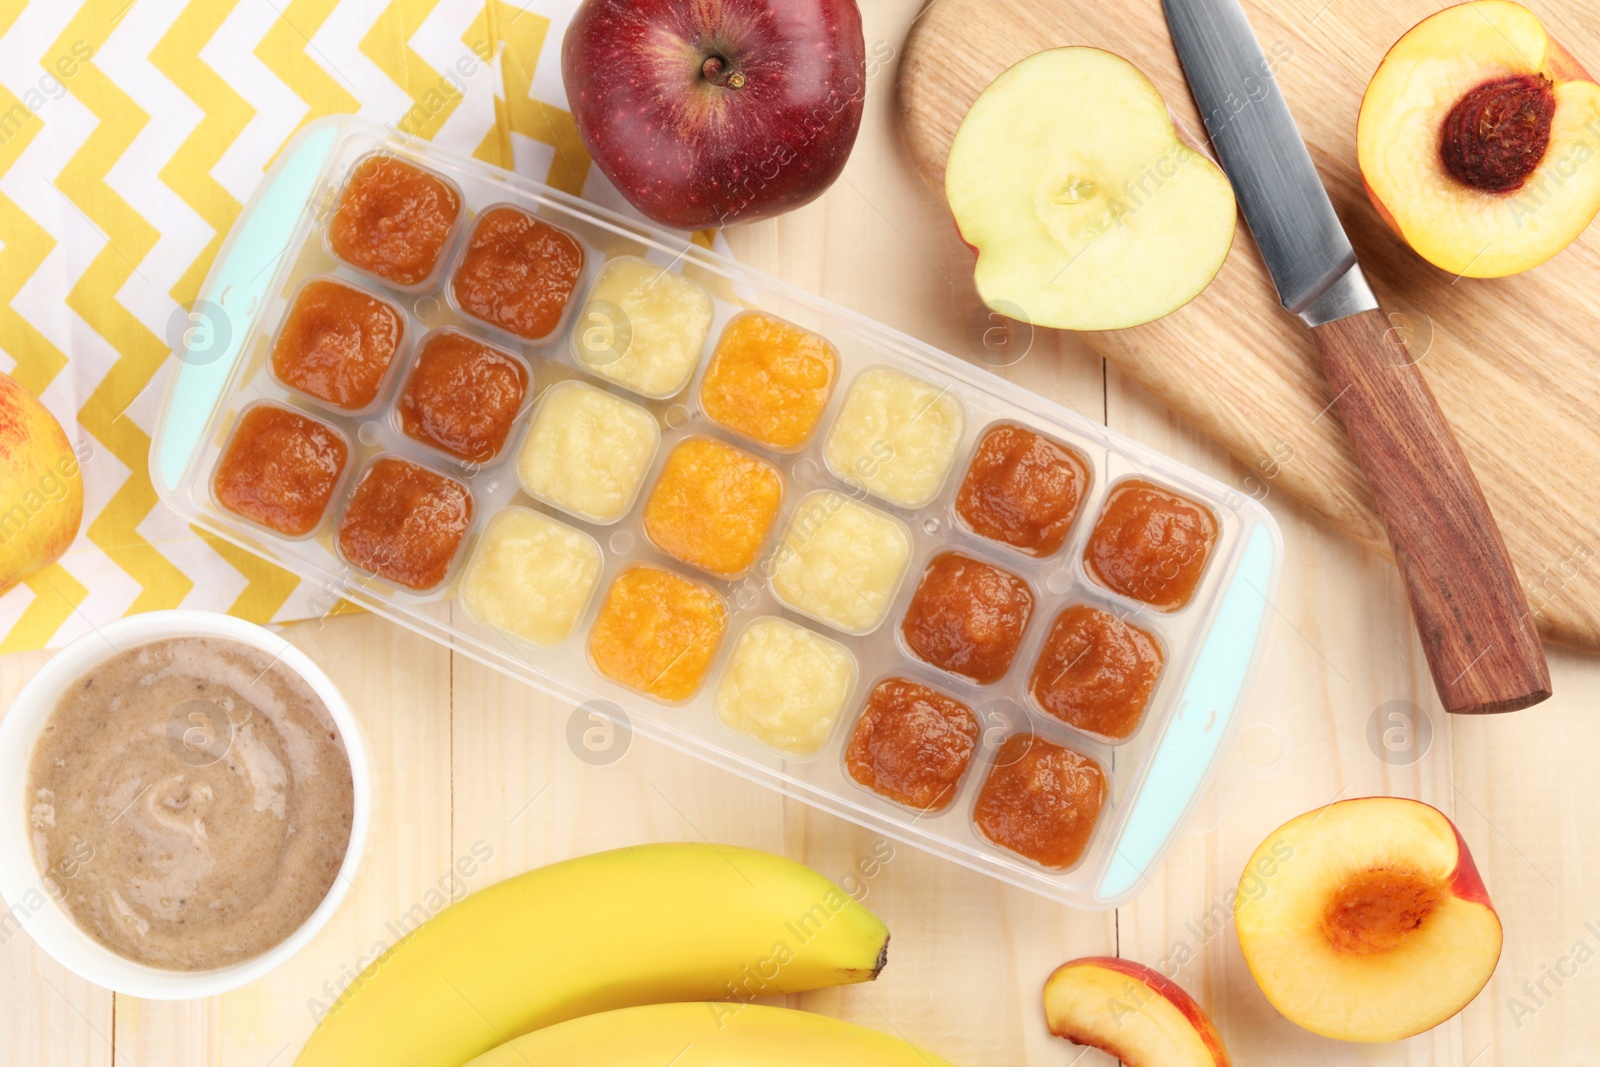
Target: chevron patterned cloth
(132, 132)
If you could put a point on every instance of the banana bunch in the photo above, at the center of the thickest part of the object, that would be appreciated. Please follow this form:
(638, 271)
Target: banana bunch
(708, 1035)
(677, 922)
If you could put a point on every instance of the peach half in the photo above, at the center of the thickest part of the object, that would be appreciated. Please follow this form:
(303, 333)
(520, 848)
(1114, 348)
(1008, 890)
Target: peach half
(1132, 1012)
(1374, 924)
(1479, 141)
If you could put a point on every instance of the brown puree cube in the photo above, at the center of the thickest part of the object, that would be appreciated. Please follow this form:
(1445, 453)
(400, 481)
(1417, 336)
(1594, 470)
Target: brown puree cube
(1096, 672)
(1022, 490)
(1040, 801)
(393, 220)
(281, 469)
(337, 344)
(1151, 544)
(518, 272)
(462, 396)
(967, 617)
(405, 523)
(912, 744)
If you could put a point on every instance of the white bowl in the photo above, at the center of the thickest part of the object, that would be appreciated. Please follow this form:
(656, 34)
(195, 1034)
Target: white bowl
(51, 928)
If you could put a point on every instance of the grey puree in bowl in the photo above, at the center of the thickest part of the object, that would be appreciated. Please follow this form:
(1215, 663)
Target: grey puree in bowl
(190, 803)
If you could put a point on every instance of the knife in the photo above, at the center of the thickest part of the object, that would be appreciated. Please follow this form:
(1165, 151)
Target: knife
(1477, 632)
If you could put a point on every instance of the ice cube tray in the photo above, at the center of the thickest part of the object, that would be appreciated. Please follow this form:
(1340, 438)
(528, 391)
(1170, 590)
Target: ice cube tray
(1211, 646)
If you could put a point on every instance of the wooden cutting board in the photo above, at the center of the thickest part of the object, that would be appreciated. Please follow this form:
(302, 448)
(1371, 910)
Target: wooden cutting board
(1513, 361)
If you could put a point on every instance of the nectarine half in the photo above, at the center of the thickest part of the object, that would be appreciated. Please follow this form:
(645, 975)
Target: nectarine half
(1479, 140)
(1374, 924)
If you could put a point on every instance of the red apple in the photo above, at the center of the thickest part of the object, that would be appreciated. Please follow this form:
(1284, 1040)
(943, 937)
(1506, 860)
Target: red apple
(706, 112)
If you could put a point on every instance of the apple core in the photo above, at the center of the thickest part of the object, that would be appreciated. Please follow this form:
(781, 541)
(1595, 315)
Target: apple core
(1074, 209)
(1375, 910)
(1496, 135)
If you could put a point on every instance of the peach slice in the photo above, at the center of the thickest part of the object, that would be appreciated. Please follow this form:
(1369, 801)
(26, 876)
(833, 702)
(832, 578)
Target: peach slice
(1373, 923)
(1132, 1012)
(1479, 140)
(1086, 210)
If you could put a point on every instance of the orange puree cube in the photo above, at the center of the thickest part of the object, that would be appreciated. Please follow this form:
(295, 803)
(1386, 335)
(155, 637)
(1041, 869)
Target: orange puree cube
(713, 506)
(657, 632)
(769, 381)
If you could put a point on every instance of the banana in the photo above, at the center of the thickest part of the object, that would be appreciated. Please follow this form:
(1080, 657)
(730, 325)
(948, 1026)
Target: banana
(611, 930)
(708, 1035)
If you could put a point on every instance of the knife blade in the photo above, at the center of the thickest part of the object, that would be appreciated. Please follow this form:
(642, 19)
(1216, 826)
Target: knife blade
(1472, 615)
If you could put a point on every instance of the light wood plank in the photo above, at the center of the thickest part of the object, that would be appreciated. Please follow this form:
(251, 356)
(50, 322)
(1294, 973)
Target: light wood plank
(465, 756)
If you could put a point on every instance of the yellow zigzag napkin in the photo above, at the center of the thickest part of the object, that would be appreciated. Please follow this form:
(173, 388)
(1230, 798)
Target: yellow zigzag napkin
(131, 134)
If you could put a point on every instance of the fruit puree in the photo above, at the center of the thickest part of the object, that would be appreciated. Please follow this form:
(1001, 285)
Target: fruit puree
(337, 344)
(518, 273)
(281, 469)
(1096, 672)
(393, 220)
(405, 523)
(785, 686)
(587, 452)
(967, 617)
(462, 396)
(769, 380)
(643, 327)
(1040, 801)
(1022, 490)
(912, 744)
(895, 437)
(657, 632)
(840, 562)
(531, 576)
(1151, 544)
(713, 506)
(191, 801)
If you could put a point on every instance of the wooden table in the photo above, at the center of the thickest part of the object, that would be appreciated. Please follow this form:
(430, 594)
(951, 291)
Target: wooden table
(463, 756)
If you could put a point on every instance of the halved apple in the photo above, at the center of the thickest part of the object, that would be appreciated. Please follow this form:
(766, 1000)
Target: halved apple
(1479, 140)
(1373, 924)
(1086, 210)
(1132, 1012)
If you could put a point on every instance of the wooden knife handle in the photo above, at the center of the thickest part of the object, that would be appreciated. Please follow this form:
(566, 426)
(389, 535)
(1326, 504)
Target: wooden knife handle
(1477, 632)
